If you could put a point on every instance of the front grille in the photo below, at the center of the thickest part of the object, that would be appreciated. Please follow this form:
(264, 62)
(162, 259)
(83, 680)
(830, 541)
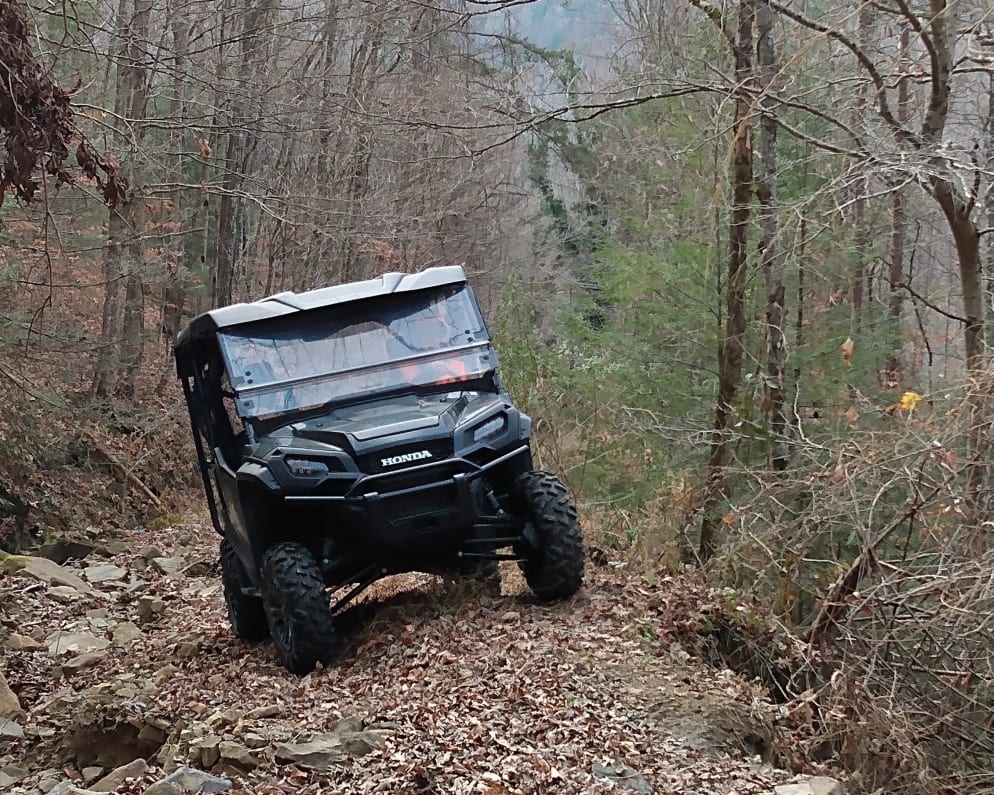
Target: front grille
(437, 449)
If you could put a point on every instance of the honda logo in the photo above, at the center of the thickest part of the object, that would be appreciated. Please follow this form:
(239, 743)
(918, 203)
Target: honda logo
(406, 458)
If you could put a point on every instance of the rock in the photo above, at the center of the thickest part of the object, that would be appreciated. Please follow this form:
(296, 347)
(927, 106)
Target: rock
(349, 725)
(64, 594)
(189, 647)
(199, 568)
(115, 778)
(253, 740)
(224, 718)
(125, 634)
(49, 780)
(321, 753)
(168, 566)
(18, 642)
(209, 748)
(237, 754)
(46, 570)
(165, 673)
(188, 780)
(150, 608)
(623, 774)
(109, 547)
(10, 706)
(10, 730)
(74, 643)
(817, 785)
(151, 553)
(68, 788)
(91, 774)
(82, 661)
(62, 550)
(361, 743)
(164, 788)
(269, 711)
(151, 736)
(104, 572)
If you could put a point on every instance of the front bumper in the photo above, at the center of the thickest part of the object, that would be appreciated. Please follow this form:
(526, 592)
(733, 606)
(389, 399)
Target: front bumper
(408, 513)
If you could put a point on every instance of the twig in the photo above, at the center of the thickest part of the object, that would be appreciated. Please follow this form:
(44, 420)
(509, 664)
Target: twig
(834, 604)
(120, 468)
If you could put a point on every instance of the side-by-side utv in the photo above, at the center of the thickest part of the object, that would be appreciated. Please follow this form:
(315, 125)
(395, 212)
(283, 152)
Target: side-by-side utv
(358, 431)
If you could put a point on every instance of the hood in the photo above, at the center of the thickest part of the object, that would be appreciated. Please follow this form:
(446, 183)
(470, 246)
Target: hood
(369, 421)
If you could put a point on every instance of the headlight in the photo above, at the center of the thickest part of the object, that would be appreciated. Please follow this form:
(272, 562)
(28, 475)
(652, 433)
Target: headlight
(490, 428)
(304, 467)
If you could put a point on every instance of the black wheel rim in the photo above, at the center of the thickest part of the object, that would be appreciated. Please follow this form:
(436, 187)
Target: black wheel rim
(281, 626)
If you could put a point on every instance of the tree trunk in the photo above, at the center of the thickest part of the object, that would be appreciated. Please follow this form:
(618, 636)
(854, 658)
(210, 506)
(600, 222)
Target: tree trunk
(731, 350)
(770, 254)
(124, 222)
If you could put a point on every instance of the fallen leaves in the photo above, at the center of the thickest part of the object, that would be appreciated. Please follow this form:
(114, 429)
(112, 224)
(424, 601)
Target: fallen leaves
(451, 692)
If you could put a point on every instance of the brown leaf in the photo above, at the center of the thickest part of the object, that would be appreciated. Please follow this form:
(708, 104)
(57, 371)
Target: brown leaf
(847, 351)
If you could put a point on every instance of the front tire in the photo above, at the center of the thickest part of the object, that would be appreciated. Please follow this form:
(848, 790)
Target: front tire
(554, 569)
(297, 607)
(245, 613)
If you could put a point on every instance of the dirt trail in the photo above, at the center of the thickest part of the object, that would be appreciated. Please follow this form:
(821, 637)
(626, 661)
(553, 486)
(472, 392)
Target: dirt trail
(441, 689)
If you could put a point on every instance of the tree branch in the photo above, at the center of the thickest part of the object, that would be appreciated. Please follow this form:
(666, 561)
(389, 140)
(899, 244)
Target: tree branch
(883, 107)
(929, 304)
(715, 15)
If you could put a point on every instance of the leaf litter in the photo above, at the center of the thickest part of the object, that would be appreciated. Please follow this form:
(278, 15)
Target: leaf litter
(444, 689)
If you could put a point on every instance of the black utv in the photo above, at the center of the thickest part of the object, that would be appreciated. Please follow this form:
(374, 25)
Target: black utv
(358, 431)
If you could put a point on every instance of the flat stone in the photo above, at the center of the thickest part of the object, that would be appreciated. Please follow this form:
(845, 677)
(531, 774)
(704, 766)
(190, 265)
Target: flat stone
(64, 594)
(253, 740)
(10, 706)
(63, 550)
(10, 730)
(186, 779)
(116, 777)
(623, 774)
(49, 780)
(92, 773)
(361, 743)
(269, 711)
(817, 785)
(348, 725)
(68, 788)
(45, 570)
(321, 753)
(125, 634)
(165, 788)
(168, 566)
(104, 572)
(75, 643)
(237, 754)
(18, 642)
(81, 661)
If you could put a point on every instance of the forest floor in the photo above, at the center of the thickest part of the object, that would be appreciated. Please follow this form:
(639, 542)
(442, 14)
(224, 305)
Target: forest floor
(124, 657)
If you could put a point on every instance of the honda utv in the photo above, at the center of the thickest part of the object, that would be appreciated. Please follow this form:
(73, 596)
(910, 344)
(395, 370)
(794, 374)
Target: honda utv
(357, 431)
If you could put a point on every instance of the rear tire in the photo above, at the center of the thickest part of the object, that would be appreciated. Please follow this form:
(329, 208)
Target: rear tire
(297, 608)
(245, 612)
(555, 569)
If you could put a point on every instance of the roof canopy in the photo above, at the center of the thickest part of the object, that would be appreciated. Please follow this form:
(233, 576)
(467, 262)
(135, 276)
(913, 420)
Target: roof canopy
(205, 326)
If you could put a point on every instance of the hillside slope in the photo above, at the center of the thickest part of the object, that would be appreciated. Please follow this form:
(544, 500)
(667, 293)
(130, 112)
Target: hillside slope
(127, 656)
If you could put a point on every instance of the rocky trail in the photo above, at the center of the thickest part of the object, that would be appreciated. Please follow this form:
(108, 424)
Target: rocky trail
(120, 675)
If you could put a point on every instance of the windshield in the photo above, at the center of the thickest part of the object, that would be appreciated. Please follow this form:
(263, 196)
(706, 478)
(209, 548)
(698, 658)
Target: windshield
(305, 360)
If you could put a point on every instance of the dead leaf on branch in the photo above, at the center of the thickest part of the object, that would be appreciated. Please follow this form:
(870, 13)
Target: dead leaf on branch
(38, 121)
(847, 349)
